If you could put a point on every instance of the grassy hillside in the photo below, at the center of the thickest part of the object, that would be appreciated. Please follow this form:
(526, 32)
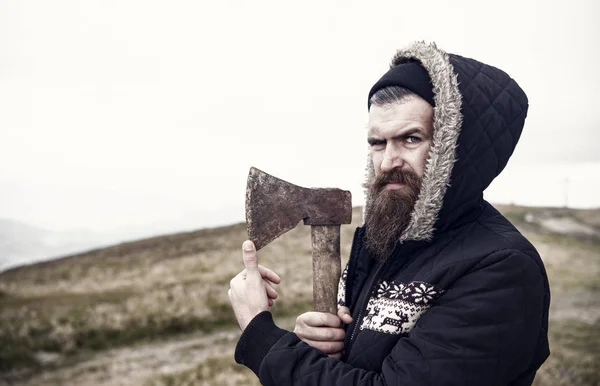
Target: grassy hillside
(155, 311)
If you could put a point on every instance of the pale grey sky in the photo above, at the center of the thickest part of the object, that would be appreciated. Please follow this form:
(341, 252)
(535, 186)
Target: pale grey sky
(118, 114)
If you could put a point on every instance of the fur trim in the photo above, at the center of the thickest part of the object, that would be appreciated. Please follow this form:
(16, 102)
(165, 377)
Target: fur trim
(447, 122)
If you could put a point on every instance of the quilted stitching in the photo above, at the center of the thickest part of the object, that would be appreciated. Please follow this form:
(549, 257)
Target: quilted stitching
(493, 113)
(473, 83)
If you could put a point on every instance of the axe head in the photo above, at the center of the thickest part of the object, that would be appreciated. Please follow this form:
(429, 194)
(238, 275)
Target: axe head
(274, 206)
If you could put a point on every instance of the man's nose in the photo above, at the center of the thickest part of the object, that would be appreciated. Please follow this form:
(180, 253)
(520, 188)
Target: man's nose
(392, 158)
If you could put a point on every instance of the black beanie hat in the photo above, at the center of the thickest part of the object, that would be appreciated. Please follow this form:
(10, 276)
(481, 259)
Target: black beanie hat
(410, 75)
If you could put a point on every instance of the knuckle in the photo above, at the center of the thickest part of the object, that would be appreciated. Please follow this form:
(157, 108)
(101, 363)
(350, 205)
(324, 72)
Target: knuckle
(309, 319)
(332, 334)
(327, 335)
(321, 318)
(332, 320)
(299, 330)
(329, 347)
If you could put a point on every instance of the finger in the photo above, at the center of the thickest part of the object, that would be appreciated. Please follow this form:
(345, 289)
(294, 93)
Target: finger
(269, 275)
(249, 256)
(271, 293)
(344, 315)
(326, 347)
(321, 334)
(319, 319)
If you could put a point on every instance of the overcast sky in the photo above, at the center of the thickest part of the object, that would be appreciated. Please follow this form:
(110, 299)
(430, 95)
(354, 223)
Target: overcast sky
(133, 113)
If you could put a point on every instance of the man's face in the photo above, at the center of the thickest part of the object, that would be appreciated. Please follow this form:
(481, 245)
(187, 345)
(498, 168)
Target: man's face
(400, 136)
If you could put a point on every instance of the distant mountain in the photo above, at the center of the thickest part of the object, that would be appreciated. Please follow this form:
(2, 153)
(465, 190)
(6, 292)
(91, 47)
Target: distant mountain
(22, 243)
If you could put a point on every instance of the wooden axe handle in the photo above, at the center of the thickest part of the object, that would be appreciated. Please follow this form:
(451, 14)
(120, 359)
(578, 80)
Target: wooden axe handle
(326, 266)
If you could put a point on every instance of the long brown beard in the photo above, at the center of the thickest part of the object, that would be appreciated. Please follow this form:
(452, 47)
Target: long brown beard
(389, 210)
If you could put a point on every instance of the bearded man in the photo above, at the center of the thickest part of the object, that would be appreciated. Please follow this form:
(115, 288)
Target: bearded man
(440, 288)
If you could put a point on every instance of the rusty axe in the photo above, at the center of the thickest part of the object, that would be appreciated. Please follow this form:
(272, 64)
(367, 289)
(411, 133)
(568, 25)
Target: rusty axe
(274, 206)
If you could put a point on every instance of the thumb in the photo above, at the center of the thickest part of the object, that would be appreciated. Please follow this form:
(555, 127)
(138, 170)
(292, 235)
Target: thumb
(249, 256)
(344, 314)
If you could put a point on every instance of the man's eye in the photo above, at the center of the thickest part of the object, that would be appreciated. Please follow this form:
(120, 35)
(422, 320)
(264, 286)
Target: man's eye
(413, 139)
(377, 144)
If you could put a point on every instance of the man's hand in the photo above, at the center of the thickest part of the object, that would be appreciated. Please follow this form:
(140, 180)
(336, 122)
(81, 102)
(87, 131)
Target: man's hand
(323, 330)
(251, 291)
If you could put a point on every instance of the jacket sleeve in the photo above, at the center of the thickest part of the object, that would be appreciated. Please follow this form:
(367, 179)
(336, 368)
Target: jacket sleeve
(482, 331)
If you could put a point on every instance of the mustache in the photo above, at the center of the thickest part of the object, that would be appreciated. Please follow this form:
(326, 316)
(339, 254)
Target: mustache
(396, 175)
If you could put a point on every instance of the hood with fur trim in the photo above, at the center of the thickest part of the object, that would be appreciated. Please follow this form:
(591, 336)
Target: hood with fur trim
(479, 115)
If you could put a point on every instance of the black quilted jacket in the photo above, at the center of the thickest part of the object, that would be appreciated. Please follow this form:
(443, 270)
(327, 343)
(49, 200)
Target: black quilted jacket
(464, 299)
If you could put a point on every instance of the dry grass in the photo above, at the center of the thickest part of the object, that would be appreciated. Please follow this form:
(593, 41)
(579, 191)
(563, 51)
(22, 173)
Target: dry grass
(140, 291)
(142, 296)
(590, 217)
(217, 370)
(117, 296)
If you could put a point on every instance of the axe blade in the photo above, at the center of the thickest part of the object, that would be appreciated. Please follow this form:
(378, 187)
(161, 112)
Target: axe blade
(268, 210)
(274, 206)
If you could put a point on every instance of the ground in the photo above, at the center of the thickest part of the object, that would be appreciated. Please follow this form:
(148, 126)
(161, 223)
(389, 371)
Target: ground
(155, 312)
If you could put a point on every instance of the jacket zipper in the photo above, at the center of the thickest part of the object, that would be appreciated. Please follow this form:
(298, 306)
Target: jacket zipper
(351, 265)
(363, 308)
